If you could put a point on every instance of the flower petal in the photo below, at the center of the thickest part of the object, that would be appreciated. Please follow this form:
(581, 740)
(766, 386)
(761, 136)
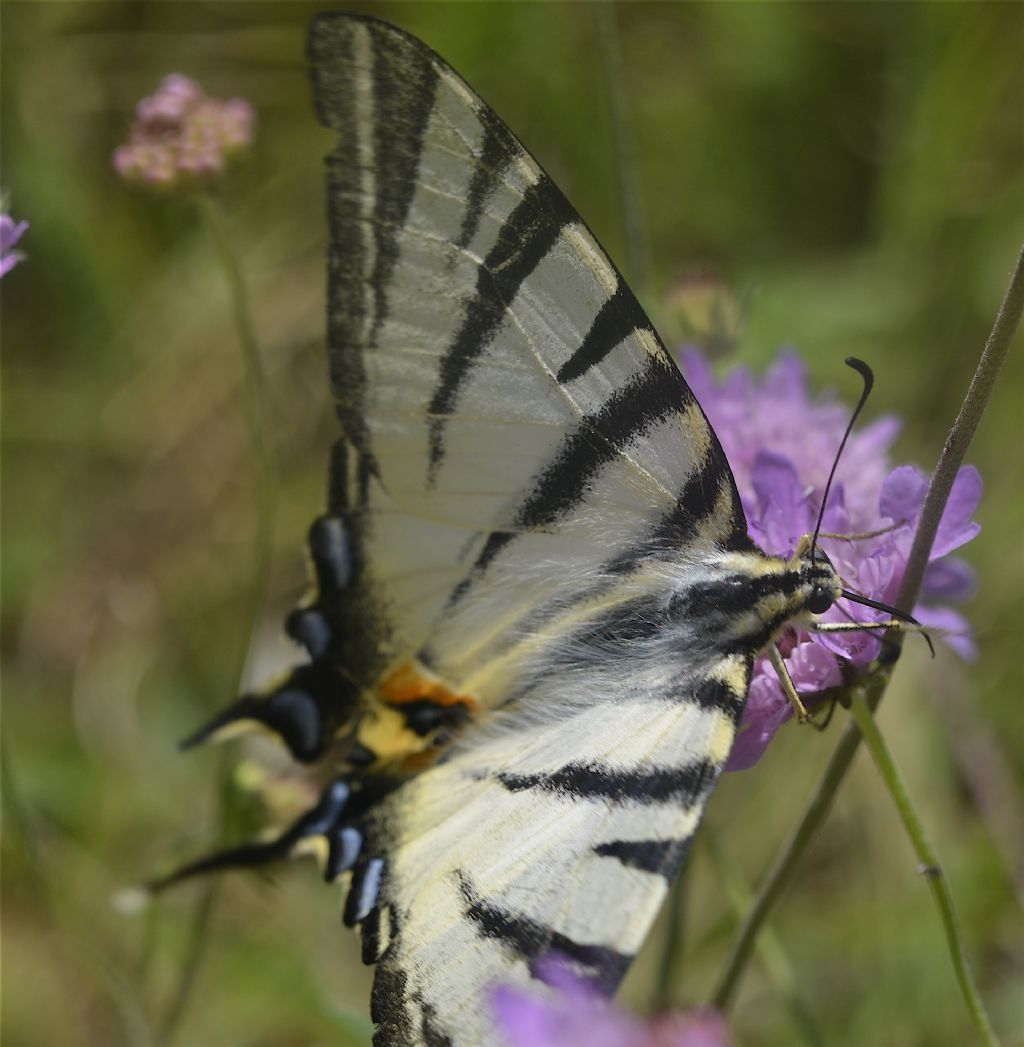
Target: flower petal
(956, 526)
(878, 437)
(952, 627)
(948, 579)
(902, 493)
(786, 379)
(766, 711)
(702, 1029)
(782, 512)
(697, 372)
(10, 232)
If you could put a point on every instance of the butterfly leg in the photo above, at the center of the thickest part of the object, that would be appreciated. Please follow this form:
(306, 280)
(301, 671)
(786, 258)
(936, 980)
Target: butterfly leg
(896, 624)
(858, 536)
(786, 681)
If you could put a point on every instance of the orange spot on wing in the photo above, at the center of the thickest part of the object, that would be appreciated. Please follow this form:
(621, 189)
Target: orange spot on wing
(411, 683)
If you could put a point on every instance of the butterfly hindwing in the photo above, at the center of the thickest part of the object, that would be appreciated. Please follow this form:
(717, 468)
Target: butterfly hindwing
(558, 837)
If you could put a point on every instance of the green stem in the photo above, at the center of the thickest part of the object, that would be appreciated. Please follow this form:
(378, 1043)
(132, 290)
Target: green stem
(780, 872)
(627, 185)
(668, 962)
(997, 347)
(928, 865)
(198, 936)
(255, 384)
(21, 832)
(769, 948)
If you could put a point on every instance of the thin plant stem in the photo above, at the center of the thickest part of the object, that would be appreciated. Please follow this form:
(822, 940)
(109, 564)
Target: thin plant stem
(266, 468)
(997, 347)
(780, 871)
(669, 961)
(255, 384)
(21, 832)
(769, 948)
(928, 865)
(198, 936)
(627, 185)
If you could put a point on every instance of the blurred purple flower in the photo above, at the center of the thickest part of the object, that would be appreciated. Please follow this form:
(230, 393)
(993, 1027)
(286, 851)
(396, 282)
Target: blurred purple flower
(182, 138)
(574, 1012)
(781, 445)
(10, 233)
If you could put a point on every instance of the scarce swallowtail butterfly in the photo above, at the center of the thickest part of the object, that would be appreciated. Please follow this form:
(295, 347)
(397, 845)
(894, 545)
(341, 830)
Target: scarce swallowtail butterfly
(536, 605)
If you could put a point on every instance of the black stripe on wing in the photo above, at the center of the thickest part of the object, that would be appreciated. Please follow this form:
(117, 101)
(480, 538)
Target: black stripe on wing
(647, 399)
(531, 939)
(662, 857)
(529, 233)
(402, 78)
(717, 694)
(331, 55)
(595, 781)
(693, 505)
(404, 89)
(617, 319)
(498, 150)
(650, 396)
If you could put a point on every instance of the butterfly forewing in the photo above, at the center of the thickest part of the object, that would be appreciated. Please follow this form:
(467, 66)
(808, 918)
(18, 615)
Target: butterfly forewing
(495, 377)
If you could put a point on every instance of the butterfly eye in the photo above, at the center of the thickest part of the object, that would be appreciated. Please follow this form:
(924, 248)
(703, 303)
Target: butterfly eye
(819, 601)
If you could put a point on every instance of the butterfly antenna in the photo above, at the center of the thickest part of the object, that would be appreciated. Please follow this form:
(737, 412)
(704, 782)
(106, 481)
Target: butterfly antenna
(869, 380)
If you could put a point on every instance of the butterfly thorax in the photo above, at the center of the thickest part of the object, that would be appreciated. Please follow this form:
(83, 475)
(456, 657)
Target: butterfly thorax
(750, 597)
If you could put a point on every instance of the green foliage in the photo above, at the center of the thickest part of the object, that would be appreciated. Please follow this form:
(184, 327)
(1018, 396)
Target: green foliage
(854, 170)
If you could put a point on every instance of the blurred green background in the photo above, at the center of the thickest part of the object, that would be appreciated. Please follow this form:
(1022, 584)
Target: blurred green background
(853, 172)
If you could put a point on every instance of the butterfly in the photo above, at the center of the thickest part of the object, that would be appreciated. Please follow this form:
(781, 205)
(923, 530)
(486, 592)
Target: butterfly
(535, 605)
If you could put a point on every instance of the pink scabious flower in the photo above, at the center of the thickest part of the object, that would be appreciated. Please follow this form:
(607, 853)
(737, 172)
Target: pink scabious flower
(10, 233)
(181, 138)
(780, 445)
(574, 1012)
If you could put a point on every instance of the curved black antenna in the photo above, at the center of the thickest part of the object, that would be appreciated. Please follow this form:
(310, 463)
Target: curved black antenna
(869, 380)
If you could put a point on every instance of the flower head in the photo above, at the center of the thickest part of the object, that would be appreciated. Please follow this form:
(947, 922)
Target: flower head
(780, 445)
(573, 1011)
(10, 233)
(181, 137)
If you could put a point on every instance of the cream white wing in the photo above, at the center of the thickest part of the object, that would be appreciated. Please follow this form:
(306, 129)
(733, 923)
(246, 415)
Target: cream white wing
(505, 401)
(555, 832)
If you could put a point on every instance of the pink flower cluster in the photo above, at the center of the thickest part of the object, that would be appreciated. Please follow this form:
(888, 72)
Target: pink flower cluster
(781, 445)
(578, 1014)
(181, 137)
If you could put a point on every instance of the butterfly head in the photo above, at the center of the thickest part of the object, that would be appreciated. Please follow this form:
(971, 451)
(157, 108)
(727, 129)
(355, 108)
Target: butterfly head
(819, 580)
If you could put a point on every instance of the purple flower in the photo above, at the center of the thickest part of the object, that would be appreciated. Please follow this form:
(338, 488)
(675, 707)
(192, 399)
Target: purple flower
(10, 233)
(781, 445)
(572, 1012)
(182, 138)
